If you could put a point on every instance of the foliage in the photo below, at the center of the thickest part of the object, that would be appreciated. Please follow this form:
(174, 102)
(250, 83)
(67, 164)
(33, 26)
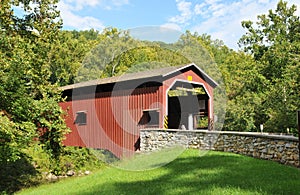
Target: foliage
(80, 159)
(27, 95)
(203, 122)
(13, 137)
(146, 58)
(117, 53)
(73, 158)
(17, 175)
(34, 165)
(245, 89)
(275, 44)
(110, 44)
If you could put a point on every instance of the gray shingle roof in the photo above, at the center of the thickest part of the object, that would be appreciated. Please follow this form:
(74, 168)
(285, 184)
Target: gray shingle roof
(161, 72)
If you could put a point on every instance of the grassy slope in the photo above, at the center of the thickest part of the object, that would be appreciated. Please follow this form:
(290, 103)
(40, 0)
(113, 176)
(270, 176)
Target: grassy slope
(190, 173)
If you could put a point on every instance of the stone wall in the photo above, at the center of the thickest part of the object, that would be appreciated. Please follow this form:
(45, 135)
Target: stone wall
(283, 149)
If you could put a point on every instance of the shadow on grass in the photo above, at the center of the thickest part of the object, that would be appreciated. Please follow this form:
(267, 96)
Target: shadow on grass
(205, 174)
(16, 175)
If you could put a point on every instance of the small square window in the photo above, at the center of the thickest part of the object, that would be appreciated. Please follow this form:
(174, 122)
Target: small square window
(80, 118)
(151, 117)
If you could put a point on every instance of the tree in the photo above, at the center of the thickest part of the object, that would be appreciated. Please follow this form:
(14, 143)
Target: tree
(27, 97)
(117, 53)
(67, 54)
(245, 88)
(275, 45)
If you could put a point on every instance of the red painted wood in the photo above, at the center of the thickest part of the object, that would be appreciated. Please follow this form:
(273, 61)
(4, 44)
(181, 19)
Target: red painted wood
(113, 117)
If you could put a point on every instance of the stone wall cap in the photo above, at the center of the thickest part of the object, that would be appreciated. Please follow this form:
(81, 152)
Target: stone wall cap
(252, 134)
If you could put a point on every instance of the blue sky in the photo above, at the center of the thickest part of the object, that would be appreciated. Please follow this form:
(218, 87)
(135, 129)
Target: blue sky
(220, 19)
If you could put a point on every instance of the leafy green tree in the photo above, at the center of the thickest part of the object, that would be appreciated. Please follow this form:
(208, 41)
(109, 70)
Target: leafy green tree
(245, 88)
(91, 34)
(27, 96)
(274, 44)
(103, 59)
(66, 55)
(147, 57)
(117, 53)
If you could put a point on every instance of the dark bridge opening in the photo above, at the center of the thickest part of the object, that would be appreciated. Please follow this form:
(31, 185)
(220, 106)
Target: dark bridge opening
(187, 106)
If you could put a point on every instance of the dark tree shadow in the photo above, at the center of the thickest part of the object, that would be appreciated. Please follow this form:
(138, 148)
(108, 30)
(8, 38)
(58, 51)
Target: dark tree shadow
(17, 175)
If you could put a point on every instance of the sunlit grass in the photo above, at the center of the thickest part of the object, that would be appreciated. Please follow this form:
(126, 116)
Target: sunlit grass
(191, 173)
(147, 161)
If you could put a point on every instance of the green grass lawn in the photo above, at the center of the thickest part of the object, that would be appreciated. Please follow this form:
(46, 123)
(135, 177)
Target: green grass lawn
(190, 173)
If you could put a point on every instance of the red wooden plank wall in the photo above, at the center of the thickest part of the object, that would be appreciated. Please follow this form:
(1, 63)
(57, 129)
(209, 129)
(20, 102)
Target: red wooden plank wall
(112, 119)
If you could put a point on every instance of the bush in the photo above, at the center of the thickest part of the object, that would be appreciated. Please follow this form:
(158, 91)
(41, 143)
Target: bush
(33, 165)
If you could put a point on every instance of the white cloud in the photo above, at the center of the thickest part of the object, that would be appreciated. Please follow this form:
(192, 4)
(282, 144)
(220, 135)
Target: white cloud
(184, 8)
(199, 9)
(81, 4)
(77, 5)
(72, 20)
(70, 10)
(110, 4)
(222, 19)
(171, 26)
(263, 1)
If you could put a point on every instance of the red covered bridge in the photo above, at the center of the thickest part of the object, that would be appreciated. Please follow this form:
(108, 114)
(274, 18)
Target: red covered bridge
(109, 113)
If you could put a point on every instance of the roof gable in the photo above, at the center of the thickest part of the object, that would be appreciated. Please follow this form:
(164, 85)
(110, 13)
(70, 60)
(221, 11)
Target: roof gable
(161, 73)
